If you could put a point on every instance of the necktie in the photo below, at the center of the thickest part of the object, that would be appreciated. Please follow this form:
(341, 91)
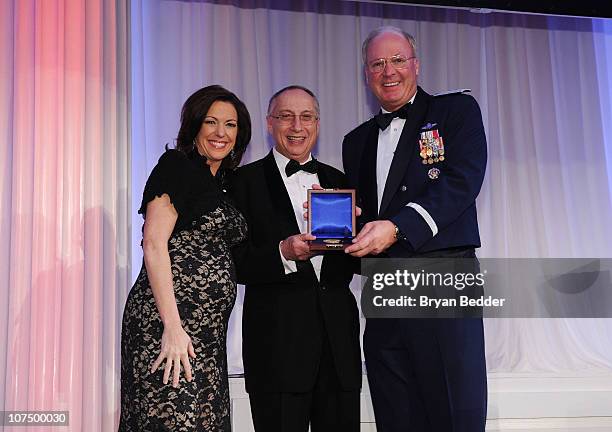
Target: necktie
(384, 120)
(293, 166)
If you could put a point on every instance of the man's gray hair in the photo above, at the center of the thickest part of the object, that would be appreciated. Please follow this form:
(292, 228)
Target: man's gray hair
(293, 87)
(387, 29)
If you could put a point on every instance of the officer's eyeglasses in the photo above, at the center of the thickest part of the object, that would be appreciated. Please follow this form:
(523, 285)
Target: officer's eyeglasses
(398, 62)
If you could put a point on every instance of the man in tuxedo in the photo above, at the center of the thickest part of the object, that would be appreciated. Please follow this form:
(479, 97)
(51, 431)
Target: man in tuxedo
(302, 360)
(418, 167)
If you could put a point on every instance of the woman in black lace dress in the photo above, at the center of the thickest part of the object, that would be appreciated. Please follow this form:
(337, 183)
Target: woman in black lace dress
(173, 359)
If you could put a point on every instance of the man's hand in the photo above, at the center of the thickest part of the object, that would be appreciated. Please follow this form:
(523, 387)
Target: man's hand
(295, 248)
(374, 238)
(305, 204)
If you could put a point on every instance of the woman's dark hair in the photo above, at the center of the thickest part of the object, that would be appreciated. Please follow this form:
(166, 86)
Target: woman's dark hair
(192, 116)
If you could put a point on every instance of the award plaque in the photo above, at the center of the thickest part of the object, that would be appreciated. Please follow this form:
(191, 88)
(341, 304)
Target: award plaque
(331, 218)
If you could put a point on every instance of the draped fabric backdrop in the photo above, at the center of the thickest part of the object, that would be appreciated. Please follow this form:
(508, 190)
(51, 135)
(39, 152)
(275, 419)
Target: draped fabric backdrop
(79, 147)
(64, 214)
(543, 84)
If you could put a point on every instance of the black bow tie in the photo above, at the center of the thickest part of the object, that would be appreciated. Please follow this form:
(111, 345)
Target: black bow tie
(384, 120)
(293, 166)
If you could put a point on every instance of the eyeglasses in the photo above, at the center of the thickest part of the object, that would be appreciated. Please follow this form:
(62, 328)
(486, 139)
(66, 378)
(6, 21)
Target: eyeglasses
(289, 118)
(398, 62)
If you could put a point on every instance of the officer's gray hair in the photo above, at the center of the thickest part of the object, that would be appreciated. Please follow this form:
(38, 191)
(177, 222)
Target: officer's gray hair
(387, 29)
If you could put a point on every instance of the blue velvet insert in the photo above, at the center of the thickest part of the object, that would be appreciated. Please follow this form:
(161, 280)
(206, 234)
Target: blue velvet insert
(332, 215)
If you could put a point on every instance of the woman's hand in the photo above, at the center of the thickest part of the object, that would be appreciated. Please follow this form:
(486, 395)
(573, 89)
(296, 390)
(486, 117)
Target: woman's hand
(176, 348)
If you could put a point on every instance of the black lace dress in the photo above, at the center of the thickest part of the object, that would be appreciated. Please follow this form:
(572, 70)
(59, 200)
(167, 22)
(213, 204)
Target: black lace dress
(205, 288)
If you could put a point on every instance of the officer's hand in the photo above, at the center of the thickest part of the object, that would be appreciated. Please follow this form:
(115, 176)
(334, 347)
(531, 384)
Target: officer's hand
(374, 238)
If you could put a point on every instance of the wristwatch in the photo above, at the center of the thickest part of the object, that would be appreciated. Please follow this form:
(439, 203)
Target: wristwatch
(398, 234)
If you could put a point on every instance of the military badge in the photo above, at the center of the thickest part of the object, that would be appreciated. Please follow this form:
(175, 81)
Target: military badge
(433, 173)
(429, 126)
(431, 145)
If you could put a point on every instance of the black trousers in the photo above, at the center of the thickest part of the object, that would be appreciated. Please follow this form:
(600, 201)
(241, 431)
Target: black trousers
(327, 408)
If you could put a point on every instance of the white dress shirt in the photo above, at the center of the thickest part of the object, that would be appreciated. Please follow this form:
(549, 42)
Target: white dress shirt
(387, 143)
(297, 187)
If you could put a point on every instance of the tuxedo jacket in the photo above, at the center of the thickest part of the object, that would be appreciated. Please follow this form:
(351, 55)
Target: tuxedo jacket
(433, 205)
(283, 314)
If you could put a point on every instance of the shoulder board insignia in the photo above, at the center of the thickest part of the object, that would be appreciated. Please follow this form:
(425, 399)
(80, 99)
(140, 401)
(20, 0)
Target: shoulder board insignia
(451, 92)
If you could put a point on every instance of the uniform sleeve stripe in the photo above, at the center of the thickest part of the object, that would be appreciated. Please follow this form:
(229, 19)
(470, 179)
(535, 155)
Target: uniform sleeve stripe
(420, 210)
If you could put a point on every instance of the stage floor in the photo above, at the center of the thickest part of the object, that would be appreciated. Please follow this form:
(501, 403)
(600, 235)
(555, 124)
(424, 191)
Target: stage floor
(517, 403)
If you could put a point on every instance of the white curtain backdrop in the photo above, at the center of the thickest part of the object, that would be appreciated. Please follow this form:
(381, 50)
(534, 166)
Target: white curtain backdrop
(543, 84)
(82, 79)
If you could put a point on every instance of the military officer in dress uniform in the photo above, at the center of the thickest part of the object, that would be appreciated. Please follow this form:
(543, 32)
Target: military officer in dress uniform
(418, 167)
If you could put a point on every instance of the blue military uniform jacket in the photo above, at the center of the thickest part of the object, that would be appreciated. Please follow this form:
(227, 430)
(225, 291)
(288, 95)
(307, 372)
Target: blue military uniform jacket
(432, 203)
